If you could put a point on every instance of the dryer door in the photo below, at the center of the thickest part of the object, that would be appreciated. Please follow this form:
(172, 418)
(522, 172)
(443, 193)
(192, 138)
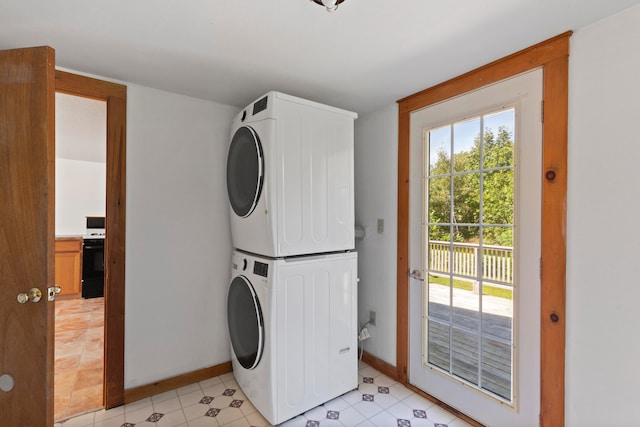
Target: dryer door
(245, 171)
(246, 326)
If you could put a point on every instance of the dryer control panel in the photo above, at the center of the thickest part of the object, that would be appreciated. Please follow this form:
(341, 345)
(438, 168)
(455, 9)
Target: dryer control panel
(260, 268)
(260, 105)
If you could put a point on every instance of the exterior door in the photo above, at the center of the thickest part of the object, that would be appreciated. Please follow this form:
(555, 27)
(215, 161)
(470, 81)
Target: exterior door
(27, 99)
(475, 206)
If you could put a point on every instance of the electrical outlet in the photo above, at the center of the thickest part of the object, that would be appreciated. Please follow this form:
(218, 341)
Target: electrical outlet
(372, 317)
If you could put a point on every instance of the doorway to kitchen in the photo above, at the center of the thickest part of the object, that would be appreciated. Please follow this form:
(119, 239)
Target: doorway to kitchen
(81, 130)
(112, 98)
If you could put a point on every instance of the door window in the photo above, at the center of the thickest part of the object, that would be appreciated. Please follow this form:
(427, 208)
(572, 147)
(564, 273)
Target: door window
(469, 232)
(245, 171)
(246, 327)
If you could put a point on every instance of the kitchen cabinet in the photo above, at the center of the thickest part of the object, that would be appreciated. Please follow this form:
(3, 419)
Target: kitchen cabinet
(69, 265)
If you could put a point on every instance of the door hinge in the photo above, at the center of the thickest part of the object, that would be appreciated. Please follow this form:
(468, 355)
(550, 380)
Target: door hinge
(540, 268)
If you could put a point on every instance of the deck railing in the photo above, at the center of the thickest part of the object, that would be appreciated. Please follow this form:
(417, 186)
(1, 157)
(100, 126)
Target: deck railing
(496, 263)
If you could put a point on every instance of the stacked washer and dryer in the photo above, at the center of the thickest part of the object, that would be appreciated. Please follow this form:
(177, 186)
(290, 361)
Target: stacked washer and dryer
(292, 302)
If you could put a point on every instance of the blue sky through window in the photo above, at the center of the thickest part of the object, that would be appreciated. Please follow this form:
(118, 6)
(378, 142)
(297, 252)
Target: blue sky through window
(465, 132)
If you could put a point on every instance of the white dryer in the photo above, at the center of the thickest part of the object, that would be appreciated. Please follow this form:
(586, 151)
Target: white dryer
(293, 330)
(290, 177)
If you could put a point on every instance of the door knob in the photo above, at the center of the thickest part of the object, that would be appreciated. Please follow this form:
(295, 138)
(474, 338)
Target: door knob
(34, 295)
(416, 274)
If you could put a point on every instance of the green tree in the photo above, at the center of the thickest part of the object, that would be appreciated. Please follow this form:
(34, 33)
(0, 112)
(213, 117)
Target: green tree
(497, 152)
(439, 196)
(498, 188)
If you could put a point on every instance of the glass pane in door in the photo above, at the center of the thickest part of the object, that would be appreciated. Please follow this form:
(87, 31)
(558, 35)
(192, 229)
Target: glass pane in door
(469, 210)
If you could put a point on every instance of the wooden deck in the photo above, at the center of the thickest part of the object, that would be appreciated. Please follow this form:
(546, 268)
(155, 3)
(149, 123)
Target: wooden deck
(456, 349)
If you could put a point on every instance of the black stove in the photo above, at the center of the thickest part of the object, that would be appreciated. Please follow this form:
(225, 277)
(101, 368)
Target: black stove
(93, 258)
(94, 236)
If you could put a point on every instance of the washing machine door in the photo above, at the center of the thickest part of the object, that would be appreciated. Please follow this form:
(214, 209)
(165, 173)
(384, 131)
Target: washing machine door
(245, 171)
(246, 326)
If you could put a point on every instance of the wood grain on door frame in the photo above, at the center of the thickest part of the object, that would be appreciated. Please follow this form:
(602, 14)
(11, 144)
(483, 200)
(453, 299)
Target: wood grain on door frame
(115, 95)
(553, 56)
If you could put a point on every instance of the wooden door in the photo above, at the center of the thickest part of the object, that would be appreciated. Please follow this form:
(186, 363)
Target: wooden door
(27, 84)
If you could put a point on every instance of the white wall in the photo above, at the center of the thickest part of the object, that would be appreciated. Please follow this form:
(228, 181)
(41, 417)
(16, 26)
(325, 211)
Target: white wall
(603, 284)
(81, 128)
(376, 178)
(81, 138)
(80, 192)
(178, 240)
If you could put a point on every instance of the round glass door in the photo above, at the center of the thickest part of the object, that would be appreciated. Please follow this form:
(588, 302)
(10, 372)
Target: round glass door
(245, 171)
(246, 326)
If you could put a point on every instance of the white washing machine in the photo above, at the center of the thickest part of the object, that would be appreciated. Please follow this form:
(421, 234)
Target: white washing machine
(290, 177)
(293, 330)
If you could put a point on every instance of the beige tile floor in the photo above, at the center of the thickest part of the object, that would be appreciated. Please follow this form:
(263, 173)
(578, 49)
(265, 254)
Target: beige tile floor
(79, 343)
(378, 401)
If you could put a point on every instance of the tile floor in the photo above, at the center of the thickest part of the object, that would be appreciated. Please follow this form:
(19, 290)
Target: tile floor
(378, 401)
(79, 343)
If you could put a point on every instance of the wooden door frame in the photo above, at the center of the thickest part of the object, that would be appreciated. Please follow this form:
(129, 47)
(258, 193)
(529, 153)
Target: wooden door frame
(553, 56)
(115, 95)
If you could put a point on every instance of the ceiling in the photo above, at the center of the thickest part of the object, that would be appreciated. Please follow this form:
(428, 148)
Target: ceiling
(364, 56)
